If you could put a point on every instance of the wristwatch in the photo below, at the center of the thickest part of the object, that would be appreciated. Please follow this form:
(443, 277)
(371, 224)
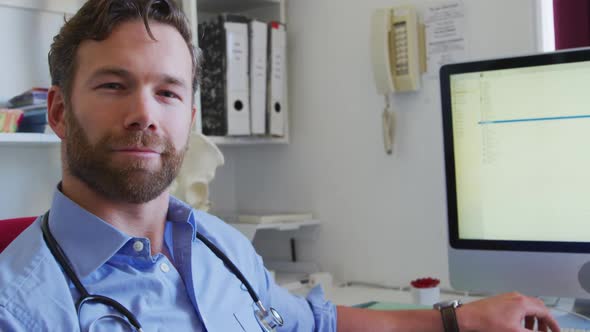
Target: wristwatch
(447, 311)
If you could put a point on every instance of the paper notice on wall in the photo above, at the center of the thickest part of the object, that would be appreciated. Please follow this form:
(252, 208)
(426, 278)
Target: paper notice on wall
(445, 35)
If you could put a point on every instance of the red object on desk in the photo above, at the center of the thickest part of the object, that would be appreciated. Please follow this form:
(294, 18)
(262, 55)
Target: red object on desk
(425, 283)
(11, 228)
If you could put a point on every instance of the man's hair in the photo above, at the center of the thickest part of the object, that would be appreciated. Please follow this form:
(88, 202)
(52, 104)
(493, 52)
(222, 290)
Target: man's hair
(97, 19)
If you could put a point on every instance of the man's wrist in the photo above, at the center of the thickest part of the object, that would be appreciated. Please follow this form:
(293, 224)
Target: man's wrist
(464, 320)
(448, 314)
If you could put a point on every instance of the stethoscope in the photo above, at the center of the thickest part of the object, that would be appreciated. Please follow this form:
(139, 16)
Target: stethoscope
(268, 319)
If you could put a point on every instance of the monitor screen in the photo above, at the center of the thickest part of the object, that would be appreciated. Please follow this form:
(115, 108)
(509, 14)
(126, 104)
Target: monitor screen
(517, 163)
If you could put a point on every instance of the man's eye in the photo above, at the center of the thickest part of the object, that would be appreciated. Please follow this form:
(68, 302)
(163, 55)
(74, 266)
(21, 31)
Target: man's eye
(168, 94)
(111, 86)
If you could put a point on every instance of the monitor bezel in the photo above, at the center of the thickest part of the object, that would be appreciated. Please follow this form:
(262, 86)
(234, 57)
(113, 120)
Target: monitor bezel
(569, 56)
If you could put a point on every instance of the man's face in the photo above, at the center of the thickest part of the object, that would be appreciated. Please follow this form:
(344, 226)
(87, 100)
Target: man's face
(129, 116)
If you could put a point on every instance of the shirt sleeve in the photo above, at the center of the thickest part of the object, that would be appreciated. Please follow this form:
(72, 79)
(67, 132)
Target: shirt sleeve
(8, 322)
(313, 313)
(324, 312)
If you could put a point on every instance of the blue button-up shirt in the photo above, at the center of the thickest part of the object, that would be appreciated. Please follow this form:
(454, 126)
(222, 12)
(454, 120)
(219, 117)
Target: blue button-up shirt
(193, 292)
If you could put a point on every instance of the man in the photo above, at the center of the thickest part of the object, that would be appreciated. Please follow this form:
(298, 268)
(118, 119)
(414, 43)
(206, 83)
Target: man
(124, 73)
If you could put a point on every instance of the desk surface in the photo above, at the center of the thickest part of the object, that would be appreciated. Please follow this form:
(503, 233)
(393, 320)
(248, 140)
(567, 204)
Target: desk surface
(354, 295)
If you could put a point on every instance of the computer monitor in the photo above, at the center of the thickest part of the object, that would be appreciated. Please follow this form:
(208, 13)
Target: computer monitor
(517, 156)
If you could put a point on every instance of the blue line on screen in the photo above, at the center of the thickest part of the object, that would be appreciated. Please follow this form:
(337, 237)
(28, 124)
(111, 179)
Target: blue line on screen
(535, 119)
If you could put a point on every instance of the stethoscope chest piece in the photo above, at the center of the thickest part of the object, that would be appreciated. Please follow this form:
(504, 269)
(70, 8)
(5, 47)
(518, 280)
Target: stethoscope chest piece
(270, 319)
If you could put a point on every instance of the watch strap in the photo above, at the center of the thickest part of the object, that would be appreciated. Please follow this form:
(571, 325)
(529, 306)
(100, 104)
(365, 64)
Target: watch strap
(449, 319)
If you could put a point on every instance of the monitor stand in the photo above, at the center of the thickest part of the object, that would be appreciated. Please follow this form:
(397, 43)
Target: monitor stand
(582, 307)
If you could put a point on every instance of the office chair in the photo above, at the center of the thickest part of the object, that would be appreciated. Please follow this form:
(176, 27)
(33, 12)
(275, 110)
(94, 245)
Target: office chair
(11, 228)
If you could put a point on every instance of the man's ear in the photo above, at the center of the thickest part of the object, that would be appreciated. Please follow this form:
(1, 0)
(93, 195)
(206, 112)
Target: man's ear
(56, 111)
(194, 114)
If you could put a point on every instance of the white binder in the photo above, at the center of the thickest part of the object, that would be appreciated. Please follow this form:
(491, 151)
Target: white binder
(277, 106)
(258, 74)
(237, 84)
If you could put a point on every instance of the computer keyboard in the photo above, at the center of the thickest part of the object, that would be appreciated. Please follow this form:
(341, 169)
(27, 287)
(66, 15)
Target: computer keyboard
(573, 330)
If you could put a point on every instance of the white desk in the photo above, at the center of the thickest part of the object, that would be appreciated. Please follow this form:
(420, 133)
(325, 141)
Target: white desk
(353, 295)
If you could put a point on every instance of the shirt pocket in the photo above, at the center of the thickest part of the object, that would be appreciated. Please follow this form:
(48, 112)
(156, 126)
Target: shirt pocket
(246, 319)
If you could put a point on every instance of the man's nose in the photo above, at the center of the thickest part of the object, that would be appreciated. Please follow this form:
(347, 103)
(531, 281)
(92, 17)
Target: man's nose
(142, 112)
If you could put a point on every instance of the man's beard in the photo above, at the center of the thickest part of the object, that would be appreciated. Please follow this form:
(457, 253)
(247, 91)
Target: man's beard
(133, 182)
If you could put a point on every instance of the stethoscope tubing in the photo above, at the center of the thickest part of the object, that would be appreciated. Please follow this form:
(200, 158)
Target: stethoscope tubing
(86, 297)
(230, 265)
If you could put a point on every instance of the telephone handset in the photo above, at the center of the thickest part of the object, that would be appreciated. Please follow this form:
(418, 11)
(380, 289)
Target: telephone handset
(395, 40)
(397, 57)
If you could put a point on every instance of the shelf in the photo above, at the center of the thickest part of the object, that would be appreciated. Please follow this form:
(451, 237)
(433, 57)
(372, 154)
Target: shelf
(28, 139)
(220, 6)
(246, 140)
(249, 230)
(285, 226)
(21, 139)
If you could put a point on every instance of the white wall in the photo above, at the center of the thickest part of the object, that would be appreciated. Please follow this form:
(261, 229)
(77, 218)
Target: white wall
(383, 216)
(25, 36)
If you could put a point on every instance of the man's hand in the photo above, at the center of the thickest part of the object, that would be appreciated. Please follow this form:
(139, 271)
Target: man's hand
(506, 313)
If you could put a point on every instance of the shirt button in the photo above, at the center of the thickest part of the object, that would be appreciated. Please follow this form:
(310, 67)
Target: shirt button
(138, 246)
(164, 267)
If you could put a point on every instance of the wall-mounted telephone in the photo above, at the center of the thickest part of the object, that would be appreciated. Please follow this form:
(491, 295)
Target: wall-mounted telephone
(397, 55)
(395, 49)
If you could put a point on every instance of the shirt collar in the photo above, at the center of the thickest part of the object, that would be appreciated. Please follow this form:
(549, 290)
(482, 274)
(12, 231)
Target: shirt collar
(88, 241)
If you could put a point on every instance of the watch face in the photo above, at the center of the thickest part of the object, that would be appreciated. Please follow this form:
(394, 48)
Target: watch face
(446, 304)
